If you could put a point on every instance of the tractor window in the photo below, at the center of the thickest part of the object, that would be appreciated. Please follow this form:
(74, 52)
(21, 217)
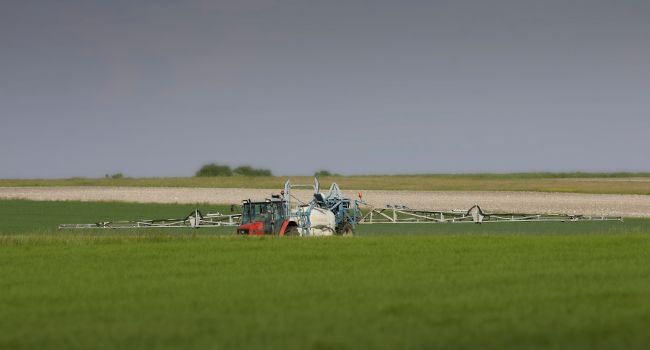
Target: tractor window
(253, 212)
(246, 214)
(260, 210)
(278, 211)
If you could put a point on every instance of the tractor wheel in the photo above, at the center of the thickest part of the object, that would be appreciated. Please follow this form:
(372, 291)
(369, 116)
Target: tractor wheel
(292, 231)
(346, 230)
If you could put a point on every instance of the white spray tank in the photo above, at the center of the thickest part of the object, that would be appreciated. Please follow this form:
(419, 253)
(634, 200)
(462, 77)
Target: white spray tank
(312, 220)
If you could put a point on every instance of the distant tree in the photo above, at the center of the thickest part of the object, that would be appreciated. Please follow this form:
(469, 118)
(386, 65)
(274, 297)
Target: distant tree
(214, 169)
(323, 173)
(117, 176)
(246, 170)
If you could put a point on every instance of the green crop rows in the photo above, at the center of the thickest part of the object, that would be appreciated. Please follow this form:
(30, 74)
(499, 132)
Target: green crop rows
(491, 286)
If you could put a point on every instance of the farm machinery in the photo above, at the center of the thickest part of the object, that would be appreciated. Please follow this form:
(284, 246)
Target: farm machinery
(326, 214)
(284, 214)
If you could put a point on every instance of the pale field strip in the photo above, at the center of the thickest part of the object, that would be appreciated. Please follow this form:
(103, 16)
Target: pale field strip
(605, 179)
(491, 201)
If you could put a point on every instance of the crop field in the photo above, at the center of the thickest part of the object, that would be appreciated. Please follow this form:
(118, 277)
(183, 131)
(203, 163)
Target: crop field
(606, 183)
(464, 286)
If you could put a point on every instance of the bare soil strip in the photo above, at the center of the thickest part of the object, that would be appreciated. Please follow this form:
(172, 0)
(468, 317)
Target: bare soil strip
(492, 201)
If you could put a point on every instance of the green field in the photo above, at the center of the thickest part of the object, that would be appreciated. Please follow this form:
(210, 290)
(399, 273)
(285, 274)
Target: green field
(463, 286)
(623, 183)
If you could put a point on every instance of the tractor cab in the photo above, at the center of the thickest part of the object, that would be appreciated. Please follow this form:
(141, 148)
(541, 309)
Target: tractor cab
(260, 218)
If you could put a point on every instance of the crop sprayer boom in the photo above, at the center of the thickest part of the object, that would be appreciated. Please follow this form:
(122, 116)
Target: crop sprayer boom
(194, 219)
(327, 214)
(404, 215)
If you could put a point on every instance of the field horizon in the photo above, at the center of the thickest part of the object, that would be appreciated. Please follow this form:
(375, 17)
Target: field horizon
(570, 182)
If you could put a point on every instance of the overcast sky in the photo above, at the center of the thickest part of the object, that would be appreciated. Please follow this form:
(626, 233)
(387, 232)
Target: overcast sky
(158, 88)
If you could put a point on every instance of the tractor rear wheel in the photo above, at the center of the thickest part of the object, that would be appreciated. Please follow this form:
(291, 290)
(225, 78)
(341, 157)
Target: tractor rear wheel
(291, 231)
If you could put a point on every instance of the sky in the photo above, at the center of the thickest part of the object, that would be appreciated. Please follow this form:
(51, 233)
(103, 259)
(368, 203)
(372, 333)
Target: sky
(158, 88)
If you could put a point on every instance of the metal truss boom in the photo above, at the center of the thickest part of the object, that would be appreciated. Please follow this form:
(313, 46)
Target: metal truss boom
(195, 219)
(404, 215)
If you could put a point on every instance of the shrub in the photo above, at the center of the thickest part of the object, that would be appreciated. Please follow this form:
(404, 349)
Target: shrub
(323, 173)
(214, 169)
(117, 176)
(250, 171)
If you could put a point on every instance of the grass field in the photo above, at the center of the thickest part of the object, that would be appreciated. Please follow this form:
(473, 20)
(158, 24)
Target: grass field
(495, 286)
(622, 183)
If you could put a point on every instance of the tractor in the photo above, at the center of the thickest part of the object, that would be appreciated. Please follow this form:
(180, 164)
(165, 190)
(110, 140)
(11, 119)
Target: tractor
(324, 215)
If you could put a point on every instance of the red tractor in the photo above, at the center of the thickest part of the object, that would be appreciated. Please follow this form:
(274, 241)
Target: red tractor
(266, 218)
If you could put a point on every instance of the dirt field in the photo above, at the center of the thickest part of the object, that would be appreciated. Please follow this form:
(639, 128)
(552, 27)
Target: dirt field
(532, 202)
(605, 183)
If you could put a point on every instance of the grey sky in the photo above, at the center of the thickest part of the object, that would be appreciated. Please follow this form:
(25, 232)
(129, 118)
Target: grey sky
(157, 88)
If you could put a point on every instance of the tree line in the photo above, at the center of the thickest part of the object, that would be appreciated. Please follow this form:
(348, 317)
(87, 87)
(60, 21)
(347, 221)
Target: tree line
(214, 169)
